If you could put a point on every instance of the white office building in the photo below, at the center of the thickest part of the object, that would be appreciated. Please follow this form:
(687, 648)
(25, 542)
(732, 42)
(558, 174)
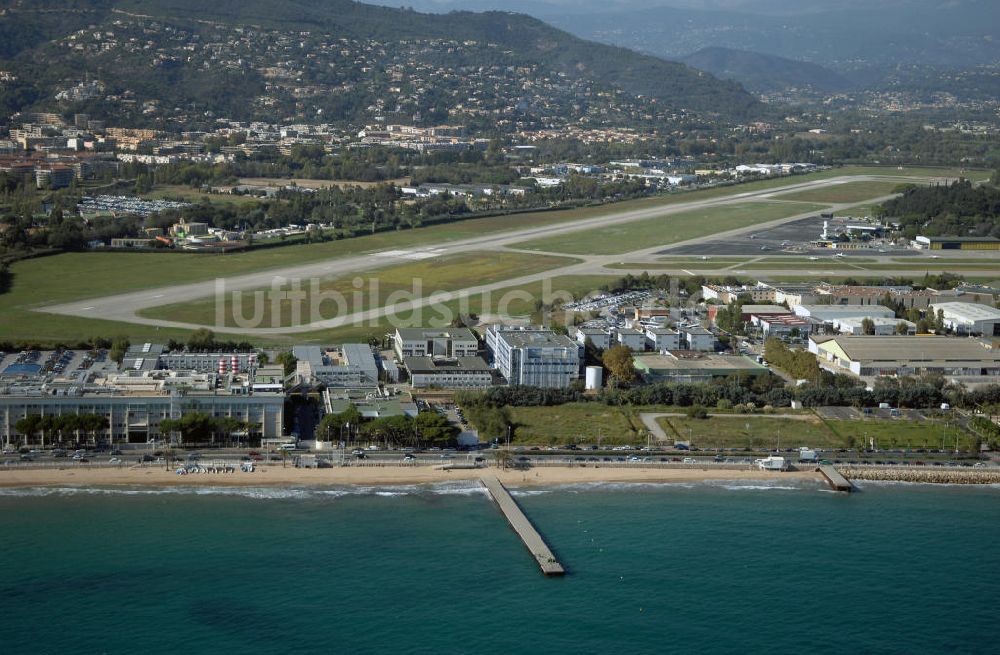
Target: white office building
(698, 338)
(968, 317)
(352, 365)
(533, 356)
(632, 339)
(601, 338)
(459, 373)
(663, 339)
(435, 342)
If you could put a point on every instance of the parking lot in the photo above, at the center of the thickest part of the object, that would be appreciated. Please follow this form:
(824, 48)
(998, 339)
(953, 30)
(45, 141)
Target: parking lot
(70, 364)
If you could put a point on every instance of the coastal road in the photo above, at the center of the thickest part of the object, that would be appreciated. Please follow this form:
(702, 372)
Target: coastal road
(125, 307)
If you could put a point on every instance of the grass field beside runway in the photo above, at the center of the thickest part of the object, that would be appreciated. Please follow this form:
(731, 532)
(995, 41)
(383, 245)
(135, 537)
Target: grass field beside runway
(346, 294)
(666, 229)
(75, 276)
(841, 193)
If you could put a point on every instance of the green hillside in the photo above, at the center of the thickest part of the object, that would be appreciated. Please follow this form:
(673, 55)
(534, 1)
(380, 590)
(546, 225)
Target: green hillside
(255, 58)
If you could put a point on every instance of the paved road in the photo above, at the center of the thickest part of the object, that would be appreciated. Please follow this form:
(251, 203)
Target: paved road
(125, 307)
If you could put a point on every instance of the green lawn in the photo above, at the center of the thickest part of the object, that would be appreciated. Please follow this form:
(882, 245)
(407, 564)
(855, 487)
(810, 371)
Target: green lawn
(936, 266)
(187, 194)
(738, 431)
(767, 432)
(581, 423)
(841, 193)
(805, 267)
(666, 229)
(412, 280)
(710, 263)
(901, 433)
(514, 301)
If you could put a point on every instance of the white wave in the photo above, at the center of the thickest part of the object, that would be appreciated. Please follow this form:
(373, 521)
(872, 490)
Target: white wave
(457, 489)
(258, 493)
(586, 487)
(518, 493)
(759, 487)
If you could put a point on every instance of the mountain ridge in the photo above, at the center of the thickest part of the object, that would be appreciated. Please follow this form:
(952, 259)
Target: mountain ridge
(766, 73)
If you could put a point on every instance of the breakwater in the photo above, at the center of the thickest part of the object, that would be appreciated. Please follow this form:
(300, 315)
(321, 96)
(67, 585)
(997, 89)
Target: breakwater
(911, 474)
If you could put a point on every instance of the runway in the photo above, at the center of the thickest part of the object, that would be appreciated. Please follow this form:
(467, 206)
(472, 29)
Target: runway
(125, 307)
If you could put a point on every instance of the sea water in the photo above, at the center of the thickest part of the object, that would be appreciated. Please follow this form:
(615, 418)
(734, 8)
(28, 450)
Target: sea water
(723, 567)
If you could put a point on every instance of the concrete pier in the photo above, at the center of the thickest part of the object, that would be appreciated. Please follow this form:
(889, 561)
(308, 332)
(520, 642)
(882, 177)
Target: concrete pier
(836, 480)
(523, 527)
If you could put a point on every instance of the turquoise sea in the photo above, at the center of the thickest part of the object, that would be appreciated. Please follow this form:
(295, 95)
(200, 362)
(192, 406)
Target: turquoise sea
(706, 568)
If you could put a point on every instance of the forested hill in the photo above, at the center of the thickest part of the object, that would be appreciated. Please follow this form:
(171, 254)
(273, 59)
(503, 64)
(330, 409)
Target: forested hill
(236, 57)
(956, 210)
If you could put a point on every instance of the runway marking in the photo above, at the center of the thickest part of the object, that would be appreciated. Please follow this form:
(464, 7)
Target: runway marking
(83, 309)
(159, 295)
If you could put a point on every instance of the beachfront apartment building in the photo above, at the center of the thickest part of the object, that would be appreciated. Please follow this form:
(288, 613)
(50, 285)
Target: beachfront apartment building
(533, 356)
(435, 342)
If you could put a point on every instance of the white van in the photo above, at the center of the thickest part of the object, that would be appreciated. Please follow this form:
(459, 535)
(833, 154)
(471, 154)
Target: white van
(287, 446)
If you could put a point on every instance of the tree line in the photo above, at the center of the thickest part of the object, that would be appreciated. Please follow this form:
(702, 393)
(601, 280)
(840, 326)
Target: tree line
(59, 428)
(427, 428)
(956, 209)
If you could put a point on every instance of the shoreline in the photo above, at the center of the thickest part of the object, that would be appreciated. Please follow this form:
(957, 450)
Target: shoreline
(269, 476)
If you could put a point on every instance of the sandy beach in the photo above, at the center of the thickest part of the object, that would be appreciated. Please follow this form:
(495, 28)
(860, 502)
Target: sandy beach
(376, 476)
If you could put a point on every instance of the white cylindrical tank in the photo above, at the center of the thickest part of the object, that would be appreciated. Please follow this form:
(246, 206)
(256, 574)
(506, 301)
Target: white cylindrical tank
(595, 375)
